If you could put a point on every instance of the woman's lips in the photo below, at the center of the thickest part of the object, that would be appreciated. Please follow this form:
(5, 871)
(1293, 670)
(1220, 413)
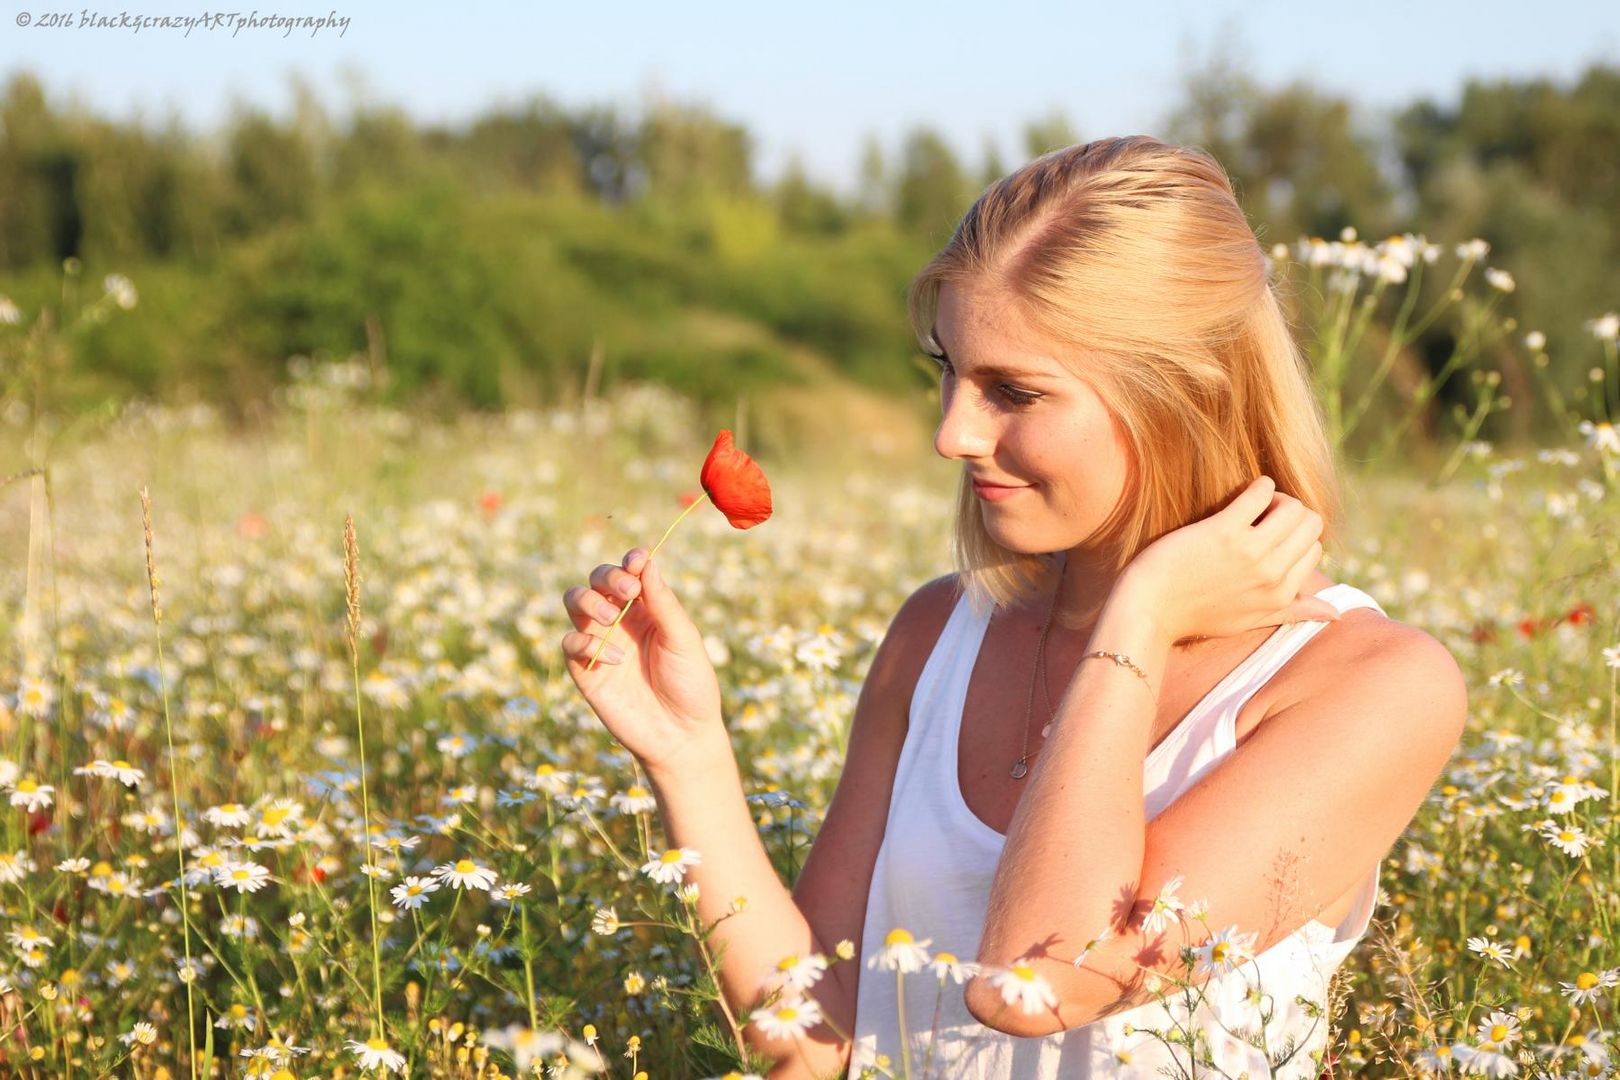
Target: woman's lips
(995, 493)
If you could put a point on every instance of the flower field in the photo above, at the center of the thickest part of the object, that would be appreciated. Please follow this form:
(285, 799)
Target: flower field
(339, 804)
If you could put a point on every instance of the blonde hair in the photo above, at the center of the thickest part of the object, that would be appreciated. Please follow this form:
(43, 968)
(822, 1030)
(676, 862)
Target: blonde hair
(1136, 255)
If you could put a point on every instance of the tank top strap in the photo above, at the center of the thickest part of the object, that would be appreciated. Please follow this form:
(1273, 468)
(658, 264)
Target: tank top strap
(1281, 647)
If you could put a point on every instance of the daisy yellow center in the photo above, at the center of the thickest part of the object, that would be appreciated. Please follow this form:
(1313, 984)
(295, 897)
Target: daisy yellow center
(115, 885)
(1557, 796)
(27, 786)
(466, 866)
(241, 875)
(944, 958)
(788, 964)
(580, 793)
(238, 1011)
(898, 936)
(211, 859)
(1586, 980)
(1217, 951)
(375, 1043)
(413, 890)
(637, 792)
(122, 764)
(787, 1013)
(1024, 972)
(671, 856)
(275, 816)
(544, 769)
(1442, 1051)
(231, 808)
(1566, 836)
(1498, 1032)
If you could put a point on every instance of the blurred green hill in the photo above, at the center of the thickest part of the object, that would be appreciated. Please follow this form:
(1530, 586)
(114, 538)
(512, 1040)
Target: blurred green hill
(538, 254)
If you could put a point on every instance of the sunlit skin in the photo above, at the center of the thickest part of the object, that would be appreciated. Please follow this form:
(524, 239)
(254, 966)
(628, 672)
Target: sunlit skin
(1013, 413)
(1064, 442)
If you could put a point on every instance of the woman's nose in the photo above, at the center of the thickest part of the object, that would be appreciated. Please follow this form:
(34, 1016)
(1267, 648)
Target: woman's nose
(963, 430)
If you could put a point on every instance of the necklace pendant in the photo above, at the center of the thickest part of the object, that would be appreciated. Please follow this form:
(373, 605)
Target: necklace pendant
(1018, 769)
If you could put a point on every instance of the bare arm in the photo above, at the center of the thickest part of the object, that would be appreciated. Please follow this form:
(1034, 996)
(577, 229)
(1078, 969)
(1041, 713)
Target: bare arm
(701, 802)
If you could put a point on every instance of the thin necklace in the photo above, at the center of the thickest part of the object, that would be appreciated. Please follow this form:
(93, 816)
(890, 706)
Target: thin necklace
(1021, 766)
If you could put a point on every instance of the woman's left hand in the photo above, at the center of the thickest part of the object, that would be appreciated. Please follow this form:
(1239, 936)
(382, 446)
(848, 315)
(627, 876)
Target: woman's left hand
(1236, 570)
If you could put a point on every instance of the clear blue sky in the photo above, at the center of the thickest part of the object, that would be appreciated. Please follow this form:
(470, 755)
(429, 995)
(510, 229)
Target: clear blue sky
(815, 79)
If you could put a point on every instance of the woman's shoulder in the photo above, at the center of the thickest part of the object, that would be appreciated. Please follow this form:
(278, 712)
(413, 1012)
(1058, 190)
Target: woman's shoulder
(1363, 642)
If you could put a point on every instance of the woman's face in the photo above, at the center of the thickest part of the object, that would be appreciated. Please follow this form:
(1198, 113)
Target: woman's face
(1015, 415)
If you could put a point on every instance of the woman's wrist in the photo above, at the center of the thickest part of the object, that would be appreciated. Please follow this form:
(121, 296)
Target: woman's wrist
(1132, 623)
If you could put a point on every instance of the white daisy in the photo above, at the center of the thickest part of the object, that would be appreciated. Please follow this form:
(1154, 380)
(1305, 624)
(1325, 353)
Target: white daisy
(1497, 1031)
(412, 893)
(1490, 950)
(228, 815)
(1166, 907)
(788, 1019)
(142, 1033)
(242, 876)
(1226, 951)
(634, 800)
(1437, 1058)
(119, 770)
(280, 817)
(947, 966)
(670, 867)
(901, 952)
(1023, 986)
(31, 794)
(465, 874)
(605, 921)
(1570, 839)
(375, 1053)
(1482, 1061)
(1589, 985)
(507, 893)
(456, 746)
(797, 972)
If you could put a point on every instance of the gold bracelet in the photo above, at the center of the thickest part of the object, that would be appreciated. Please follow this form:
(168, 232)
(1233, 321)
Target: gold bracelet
(1119, 658)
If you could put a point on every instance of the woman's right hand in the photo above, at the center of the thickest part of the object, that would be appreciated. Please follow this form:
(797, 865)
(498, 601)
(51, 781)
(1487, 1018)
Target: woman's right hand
(663, 699)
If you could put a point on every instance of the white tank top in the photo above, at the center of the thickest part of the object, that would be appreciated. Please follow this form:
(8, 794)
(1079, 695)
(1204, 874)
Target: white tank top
(933, 875)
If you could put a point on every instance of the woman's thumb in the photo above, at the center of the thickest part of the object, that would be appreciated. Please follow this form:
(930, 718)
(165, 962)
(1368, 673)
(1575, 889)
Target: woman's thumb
(655, 592)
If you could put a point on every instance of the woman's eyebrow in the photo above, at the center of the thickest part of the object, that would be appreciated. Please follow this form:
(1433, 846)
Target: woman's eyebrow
(1002, 371)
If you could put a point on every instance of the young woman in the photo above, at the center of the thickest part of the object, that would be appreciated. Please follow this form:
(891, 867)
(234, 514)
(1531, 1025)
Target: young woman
(1137, 689)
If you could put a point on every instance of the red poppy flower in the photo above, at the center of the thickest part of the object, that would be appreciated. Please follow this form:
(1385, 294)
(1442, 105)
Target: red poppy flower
(489, 502)
(736, 484)
(1528, 627)
(689, 497)
(251, 526)
(1483, 632)
(1580, 614)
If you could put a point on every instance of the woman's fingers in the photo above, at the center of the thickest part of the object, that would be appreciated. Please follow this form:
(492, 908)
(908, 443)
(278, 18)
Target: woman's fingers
(589, 608)
(581, 646)
(615, 582)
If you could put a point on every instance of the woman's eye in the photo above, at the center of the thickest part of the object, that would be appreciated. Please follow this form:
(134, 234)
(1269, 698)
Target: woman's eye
(1016, 398)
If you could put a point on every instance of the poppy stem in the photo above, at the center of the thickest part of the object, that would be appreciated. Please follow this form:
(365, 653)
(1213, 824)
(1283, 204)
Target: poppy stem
(626, 609)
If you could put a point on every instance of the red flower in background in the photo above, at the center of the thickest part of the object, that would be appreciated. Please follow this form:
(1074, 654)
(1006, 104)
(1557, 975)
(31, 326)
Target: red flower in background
(736, 484)
(251, 526)
(1483, 632)
(1580, 614)
(490, 502)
